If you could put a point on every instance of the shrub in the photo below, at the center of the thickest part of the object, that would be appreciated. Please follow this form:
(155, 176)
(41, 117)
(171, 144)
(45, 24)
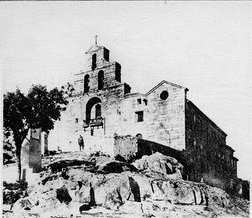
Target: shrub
(13, 191)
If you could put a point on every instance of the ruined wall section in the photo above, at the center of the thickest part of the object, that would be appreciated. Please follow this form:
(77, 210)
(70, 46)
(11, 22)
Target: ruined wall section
(130, 147)
(126, 146)
(31, 151)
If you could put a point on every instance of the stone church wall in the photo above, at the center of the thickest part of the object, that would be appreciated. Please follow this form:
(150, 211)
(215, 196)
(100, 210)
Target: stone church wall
(163, 120)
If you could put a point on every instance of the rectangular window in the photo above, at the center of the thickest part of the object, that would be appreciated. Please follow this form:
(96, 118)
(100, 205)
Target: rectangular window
(139, 101)
(76, 120)
(194, 118)
(139, 116)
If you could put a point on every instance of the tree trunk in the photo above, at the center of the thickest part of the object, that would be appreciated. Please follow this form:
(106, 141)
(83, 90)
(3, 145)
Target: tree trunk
(18, 153)
(19, 168)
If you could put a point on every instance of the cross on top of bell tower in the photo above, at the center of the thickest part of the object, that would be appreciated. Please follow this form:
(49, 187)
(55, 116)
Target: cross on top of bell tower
(96, 40)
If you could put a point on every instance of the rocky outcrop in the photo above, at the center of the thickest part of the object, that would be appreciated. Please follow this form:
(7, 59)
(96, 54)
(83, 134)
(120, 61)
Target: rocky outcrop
(147, 189)
(160, 163)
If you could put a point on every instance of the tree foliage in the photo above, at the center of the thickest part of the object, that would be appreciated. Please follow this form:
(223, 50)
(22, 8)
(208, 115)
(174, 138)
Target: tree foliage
(38, 109)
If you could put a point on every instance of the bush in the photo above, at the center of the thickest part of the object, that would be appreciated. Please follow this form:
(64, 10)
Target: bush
(15, 186)
(13, 191)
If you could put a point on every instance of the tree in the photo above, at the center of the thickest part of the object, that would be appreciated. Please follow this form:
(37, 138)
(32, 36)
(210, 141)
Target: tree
(39, 109)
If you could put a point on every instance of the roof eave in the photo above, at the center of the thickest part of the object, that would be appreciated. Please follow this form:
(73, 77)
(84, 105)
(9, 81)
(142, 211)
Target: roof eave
(161, 83)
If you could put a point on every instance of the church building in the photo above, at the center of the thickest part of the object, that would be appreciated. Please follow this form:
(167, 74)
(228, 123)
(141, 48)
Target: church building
(102, 107)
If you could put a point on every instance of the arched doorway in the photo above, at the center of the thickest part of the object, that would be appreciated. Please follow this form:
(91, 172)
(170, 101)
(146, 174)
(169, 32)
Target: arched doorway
(93, 103)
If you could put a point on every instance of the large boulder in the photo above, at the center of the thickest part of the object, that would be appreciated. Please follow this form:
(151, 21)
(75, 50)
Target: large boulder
(22, 203)
(37, 203)
(116, 190)
(160, 163)
(173, 191)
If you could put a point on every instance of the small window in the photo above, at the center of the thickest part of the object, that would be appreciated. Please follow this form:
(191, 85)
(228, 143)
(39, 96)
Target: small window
(164, 95)
(76, 120)
(139, 116)
(139, 100)
(145, 101)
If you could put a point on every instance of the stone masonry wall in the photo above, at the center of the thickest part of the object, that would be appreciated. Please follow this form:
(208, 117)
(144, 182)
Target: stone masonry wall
(125, 146)
(109, 78)
(130, 147)
(31, 151)
(206, 149)
(163, 120)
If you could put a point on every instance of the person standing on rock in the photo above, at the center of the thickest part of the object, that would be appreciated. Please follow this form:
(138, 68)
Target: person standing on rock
(81, 142)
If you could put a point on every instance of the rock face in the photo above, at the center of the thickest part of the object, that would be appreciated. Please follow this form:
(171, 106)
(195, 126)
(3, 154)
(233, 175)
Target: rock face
(145, 188)
(160, 163)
